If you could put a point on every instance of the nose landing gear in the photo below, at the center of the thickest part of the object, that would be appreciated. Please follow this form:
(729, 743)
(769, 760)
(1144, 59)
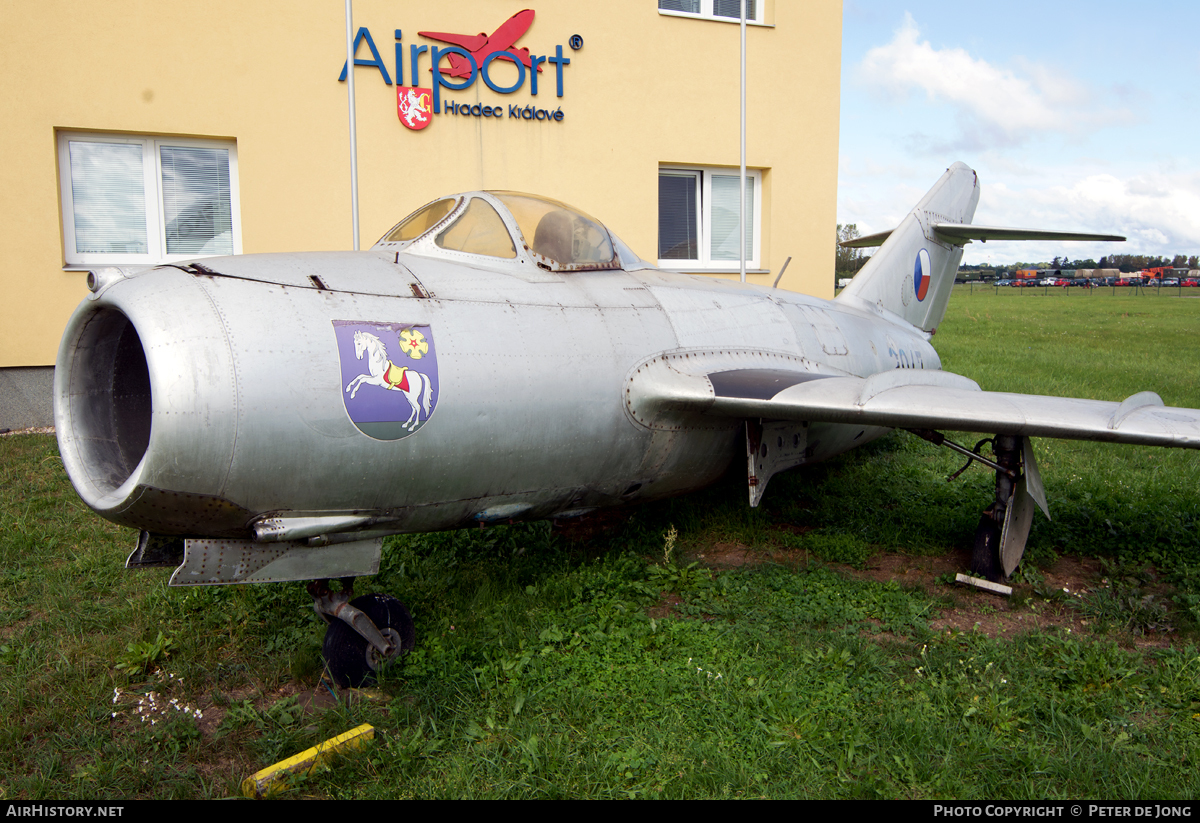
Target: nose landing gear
(364, 635)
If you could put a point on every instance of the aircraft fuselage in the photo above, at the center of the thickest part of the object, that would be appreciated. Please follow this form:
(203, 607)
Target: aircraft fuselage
(201, 399)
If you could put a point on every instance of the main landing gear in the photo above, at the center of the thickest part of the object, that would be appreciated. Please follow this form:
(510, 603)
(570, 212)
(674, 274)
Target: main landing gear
(364, 634)
(1004, 525)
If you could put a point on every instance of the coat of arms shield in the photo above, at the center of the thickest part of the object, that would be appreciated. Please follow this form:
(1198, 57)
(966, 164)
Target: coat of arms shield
(389, 374)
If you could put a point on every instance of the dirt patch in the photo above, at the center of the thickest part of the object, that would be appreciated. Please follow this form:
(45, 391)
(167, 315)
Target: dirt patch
(311, 699)
(663, 608)
(729, 556)
(735, 556)
(164, 697)
(1046, 605)
(7, 632)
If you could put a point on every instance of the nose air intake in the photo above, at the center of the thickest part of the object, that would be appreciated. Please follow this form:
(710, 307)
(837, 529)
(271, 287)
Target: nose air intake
(107, 400)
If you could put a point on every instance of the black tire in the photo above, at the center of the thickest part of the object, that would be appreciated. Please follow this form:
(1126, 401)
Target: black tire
(349, 659)
(985, 559)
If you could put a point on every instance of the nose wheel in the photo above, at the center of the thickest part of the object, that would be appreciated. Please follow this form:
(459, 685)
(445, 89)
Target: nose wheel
(364, 634)
(351, 660)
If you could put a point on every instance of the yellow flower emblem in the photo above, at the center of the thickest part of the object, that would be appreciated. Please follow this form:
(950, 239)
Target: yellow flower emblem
(414, 344)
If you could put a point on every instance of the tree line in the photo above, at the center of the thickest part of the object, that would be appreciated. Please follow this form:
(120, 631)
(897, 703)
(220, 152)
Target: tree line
(1122, 262)
(847, 261)
(1127, 262)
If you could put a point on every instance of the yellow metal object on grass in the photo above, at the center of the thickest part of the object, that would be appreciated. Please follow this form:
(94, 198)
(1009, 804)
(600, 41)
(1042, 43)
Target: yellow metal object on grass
(272, 778)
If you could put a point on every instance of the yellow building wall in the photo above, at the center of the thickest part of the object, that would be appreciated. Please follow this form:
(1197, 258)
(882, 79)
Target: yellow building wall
(644, 90)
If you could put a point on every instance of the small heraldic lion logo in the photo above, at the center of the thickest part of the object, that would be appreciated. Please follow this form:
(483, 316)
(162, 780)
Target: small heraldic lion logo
(413, 107)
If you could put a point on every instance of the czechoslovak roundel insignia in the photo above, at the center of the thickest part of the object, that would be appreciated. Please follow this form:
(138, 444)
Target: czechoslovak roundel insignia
(921, 274)
(389, 376)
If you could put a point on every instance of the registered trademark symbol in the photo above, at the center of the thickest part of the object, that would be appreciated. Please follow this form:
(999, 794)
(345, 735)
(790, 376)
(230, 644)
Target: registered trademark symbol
(576, 42)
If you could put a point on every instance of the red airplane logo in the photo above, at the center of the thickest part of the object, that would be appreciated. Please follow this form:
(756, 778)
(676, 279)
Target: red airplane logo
(481, 45)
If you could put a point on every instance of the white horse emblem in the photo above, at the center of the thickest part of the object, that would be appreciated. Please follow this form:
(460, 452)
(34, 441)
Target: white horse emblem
(415, 386)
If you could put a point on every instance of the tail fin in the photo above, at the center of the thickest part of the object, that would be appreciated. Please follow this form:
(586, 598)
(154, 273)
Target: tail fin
(912, 274)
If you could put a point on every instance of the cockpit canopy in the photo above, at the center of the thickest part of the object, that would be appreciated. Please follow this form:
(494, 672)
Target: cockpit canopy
(509, 226)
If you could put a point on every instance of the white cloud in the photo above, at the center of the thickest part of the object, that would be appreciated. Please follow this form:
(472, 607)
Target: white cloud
(1151, 204)
(1158, 212)
(994, 105)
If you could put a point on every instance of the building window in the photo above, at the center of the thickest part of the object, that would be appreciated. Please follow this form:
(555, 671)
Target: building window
(698, 218)
(147, 199)
(713, 9)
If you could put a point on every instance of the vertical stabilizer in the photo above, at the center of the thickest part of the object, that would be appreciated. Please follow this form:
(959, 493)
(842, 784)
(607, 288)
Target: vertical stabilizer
(912, 274)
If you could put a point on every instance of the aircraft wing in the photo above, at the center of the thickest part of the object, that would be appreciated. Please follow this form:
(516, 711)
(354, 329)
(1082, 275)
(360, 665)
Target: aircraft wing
(912, 399)
(960, 233)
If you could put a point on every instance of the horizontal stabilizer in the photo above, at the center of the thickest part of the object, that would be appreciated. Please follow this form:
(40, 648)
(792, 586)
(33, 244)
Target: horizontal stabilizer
(959, 233)
(868, 242)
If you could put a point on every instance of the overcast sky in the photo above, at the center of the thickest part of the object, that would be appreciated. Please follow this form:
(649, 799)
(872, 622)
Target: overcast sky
(1076, 115)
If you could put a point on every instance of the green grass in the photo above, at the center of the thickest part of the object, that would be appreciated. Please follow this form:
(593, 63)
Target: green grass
(1075, 342)
(1106, 500)
(617, 668)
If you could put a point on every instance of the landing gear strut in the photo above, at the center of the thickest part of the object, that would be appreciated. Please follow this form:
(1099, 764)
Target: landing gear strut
(364, 634)
(985, 559)
(1004, 526)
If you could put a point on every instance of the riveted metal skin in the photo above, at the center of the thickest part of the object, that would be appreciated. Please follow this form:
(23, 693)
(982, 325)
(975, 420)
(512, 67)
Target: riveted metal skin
(221, 561)
(208, 401)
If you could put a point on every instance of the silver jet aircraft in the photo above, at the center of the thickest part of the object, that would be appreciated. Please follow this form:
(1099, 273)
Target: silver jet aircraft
(499, 357)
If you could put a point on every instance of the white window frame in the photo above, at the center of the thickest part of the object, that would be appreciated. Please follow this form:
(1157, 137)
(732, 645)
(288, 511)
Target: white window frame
(706, 13)
(704, 261)
(156, 243)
